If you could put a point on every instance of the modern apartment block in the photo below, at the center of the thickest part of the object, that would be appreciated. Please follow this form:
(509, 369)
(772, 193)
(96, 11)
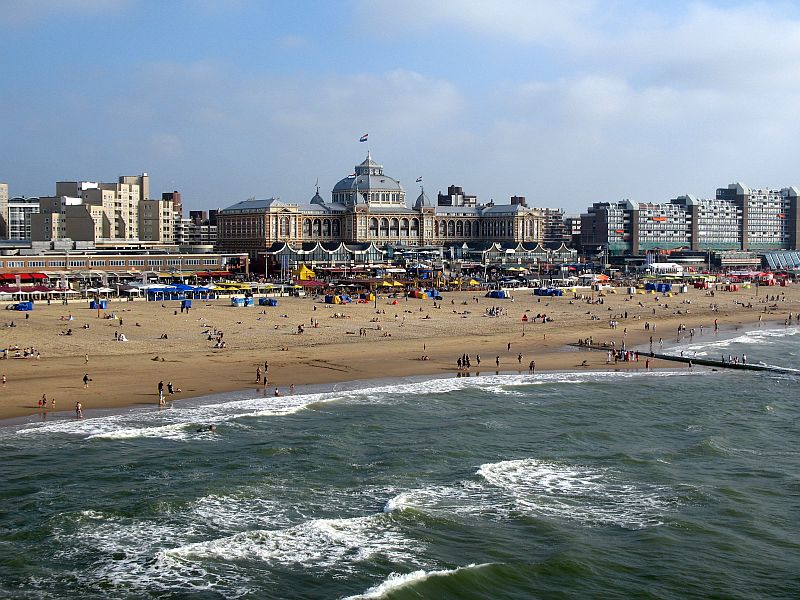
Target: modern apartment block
(769, 217)
(89, 211)
(200, 229)
(3, 211)
(553, 225)
(20, 211)
(737, 219)
(156, 221)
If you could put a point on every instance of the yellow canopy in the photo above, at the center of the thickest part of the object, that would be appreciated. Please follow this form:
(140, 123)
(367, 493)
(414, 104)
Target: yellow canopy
(386, 284)
(397, 284)
(303, 273)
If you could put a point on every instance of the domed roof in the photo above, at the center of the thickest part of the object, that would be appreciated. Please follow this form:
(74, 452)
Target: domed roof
(423, 201)
(366, 183)
(317, 199)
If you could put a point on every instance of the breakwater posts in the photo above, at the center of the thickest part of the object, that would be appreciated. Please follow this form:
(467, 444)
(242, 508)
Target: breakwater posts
(705, 362)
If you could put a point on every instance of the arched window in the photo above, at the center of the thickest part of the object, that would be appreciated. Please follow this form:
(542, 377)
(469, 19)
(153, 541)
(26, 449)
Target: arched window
(284, 226)
(336, 229)
(451, 229)
(394, 228)
(317, 227)
(384, 228)
(414, 226)
(403, 227)
(467, 229)
(459, 229)
(326, 227)
(306, 227)
(373, 227)
(436, 229)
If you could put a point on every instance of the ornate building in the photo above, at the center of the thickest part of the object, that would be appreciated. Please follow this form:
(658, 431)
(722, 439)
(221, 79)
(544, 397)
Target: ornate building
(370, 207)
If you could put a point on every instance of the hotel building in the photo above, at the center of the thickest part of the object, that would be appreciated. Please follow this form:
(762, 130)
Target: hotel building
(369, 207)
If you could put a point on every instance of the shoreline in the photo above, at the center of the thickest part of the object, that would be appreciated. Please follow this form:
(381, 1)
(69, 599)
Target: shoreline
(331, 353)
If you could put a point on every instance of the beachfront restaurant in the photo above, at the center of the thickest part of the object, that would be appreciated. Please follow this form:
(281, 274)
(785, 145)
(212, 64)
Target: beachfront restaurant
(282, 256)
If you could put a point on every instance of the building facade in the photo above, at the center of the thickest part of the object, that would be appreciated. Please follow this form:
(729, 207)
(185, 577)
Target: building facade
(20, 210)
(3, 211)
(370, 207)
(88, 211)
(737, 219)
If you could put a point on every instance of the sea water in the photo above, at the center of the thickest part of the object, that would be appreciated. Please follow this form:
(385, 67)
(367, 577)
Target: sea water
(667, 484)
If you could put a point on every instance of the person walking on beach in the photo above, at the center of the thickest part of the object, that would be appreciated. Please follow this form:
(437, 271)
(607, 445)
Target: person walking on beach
(497, 361)
(258, 374)
(78, 410)
(519, 358)
(532, 367)
(86, 359)
(86, 380)
(277, 392)
(4, 379)
(509, 347)
(170, 388)
(161, 392)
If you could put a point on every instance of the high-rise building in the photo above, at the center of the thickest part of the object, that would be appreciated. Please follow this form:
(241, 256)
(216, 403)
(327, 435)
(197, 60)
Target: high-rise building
(3, 211)
(20, 210)
(455, 197)
(737, 219)
(156, 221)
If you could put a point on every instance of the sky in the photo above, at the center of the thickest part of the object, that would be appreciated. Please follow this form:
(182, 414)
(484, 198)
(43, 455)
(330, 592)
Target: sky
(566, 103)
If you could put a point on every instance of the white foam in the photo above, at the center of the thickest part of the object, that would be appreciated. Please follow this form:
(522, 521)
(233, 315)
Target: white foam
(319, 543)
(707, 347)
(592, 496)
(179, 423)
(396, 581)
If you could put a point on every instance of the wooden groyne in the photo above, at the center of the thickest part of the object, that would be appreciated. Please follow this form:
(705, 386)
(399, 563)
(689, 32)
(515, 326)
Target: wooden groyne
(705, 362)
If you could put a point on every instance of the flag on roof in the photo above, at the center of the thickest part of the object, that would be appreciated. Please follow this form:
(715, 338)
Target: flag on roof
(419, 179)
(363, 138)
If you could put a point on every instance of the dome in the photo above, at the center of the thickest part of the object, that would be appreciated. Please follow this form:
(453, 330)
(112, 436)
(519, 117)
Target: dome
(317, 199)
(423, 201)
(369, 185)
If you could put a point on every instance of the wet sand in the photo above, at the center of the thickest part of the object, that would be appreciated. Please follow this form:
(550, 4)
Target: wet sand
(127, 373)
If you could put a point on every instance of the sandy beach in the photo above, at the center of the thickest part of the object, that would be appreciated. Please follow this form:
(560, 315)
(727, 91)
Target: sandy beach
(348, 342)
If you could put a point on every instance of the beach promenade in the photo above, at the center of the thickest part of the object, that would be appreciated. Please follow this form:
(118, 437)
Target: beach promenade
(307, 342)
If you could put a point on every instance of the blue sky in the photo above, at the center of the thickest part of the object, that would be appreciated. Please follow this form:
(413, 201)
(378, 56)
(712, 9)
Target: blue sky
(566, 103)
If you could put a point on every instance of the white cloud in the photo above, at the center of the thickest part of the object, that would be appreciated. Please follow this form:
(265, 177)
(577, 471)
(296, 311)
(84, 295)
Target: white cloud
(517, 20)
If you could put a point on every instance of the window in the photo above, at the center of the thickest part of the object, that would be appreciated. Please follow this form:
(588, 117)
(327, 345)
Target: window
(135, 262)
(154, 262)
(193, 261)
(117, 263)
(77, 263)
(35, 263)
(174, 262)
(12, 264)
(56, 263)
(97, 263)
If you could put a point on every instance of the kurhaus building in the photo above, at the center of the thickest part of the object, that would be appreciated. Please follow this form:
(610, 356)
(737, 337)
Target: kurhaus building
(370, 207)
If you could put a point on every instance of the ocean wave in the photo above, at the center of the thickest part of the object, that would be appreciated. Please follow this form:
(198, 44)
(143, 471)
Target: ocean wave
(589, 495)
(180, 423)
(704, 347)
(318, 544)
(396, 581)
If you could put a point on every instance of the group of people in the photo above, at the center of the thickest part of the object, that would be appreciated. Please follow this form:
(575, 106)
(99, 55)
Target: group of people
(170, 390)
